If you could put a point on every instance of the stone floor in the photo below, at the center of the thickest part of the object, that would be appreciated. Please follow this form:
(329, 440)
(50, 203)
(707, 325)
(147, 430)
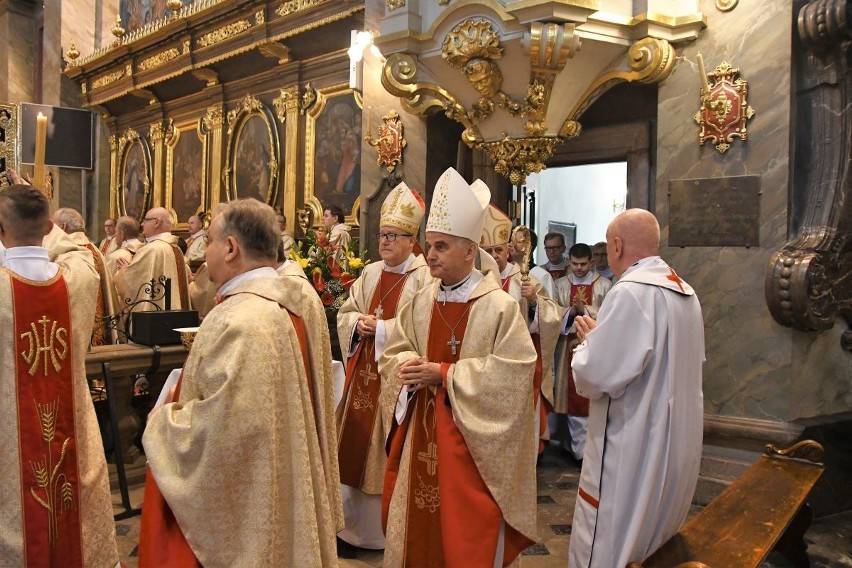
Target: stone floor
(829, 538)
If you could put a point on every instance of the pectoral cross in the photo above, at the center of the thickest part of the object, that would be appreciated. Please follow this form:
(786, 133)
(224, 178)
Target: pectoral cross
(453, 343)
(379, 311)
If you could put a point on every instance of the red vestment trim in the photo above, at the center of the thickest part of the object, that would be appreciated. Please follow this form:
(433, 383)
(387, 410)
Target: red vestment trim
(361, 390)
(578, 405)
(505, 283)
(99, 335)
(588, 498)
(44, 375)
(161, 541)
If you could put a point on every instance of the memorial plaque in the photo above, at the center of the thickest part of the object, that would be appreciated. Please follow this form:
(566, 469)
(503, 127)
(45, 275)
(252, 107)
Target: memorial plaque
(714, 212)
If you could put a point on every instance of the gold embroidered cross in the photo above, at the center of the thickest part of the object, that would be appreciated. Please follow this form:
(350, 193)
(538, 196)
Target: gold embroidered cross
(430, 457)
(368, 375)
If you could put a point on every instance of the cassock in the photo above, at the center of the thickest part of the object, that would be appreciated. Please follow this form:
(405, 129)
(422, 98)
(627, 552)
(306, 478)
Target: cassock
(160, 256)
(102, 332)
(544, 324)
(125, 252)
(56, 504)
(196, 247)
(381, 291)
(460, 482)
(301, 300)
(645, 423)
(238, 457)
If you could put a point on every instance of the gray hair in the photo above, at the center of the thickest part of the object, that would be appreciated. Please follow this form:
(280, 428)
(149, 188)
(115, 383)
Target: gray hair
(253, 225)
(129, 226)
(69, 219)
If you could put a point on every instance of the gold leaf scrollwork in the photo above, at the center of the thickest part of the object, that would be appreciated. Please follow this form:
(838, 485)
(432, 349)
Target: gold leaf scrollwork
(107, 79)
(309, 98)
(515, 158)
(287, 100)
(223, 33)
(394, 5)
(213, 119)
(292, 6)
(159, 59)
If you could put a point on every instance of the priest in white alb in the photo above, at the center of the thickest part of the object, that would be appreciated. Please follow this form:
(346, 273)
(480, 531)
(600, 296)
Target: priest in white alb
(640, 365)
(363, 325)
(460, 480)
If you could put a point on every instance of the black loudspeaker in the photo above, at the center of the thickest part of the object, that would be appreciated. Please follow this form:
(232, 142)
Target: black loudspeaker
(157, 328)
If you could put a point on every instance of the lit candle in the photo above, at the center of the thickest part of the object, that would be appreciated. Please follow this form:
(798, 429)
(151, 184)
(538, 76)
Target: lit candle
(40, 171)
(705, 84)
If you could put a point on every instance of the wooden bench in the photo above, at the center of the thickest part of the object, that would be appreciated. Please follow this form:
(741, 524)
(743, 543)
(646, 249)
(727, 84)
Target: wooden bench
(764, 509)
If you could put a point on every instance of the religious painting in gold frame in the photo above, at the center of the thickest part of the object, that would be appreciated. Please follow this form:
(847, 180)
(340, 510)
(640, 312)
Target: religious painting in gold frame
(134, 175)
(8, 141)
(186, 173)
(253, 152)
(333, 143)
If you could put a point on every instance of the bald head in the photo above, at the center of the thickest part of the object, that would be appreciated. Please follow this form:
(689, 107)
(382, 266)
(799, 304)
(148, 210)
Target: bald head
(632, 236)
(69, 220)
(156, 221)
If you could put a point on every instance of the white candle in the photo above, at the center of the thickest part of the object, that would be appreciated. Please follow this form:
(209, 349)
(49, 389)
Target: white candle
(705, 84)
(39, 173)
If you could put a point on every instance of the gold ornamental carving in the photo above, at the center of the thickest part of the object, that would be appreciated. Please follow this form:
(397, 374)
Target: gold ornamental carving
(107, 79)
(514, 158)
(390, 142)
(287, 100)
(223, 33)
(309, 99)
(8, 135)
(726, 5)
(275, 50)
(724, 106)
(159, 59)
(213, 119)
(293, 6)
(253, 154)
(395, 5)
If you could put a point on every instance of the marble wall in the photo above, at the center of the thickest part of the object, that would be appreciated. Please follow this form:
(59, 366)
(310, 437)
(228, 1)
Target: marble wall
(755, 368)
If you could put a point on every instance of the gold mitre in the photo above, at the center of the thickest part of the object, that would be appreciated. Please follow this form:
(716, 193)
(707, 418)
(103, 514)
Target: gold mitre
(403, 209)
(497, 229)
(458, 208)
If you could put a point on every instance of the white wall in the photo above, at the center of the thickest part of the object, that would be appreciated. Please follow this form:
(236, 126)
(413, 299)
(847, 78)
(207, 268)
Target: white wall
(588, 196)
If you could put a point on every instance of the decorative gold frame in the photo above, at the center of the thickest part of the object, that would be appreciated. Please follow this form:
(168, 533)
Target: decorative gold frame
(314, 110)
(185, 129)
(8, 140)
(237, 118)
(124, 144)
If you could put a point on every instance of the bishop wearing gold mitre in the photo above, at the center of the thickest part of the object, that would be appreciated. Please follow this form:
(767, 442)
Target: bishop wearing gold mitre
(56, 508)
(542, 313)
(363, 325)
(460, 480)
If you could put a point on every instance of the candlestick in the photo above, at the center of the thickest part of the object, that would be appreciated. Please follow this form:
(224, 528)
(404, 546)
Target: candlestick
(39, 176)
(705, 84)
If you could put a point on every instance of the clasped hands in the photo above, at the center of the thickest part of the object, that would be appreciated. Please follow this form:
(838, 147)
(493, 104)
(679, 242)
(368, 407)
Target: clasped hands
(366, 325)
(418, 373)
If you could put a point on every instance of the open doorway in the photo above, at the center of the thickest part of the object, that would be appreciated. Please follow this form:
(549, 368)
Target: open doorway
(580, 201)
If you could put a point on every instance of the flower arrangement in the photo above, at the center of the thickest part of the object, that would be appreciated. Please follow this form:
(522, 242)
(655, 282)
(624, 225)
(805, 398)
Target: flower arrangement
(330, 269)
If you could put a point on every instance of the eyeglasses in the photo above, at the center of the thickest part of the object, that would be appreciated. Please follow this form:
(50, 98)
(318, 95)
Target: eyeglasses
(391, 237)
(555, 248)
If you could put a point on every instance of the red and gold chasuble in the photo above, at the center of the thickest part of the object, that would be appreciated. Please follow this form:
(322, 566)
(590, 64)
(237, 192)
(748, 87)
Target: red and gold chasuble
(452, 518)
(578, 405)
(48, 446)
(362, 387)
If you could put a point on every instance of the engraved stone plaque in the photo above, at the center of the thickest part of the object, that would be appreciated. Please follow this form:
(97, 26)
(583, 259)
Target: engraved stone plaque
(714, 212)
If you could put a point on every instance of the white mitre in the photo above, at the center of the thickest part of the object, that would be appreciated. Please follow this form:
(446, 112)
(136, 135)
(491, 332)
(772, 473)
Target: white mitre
(457, 208)
(497, 229)
(403, 209)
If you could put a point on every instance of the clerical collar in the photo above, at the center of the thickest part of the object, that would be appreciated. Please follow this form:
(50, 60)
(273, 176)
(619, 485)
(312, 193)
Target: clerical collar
(507, 271)
(400, 268)
(262, 272)
(587, 279)
(461, 291)
(30, 262)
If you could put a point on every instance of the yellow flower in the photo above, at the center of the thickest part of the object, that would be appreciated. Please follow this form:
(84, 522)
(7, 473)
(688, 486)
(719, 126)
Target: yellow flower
(304, 262)
(355, 262)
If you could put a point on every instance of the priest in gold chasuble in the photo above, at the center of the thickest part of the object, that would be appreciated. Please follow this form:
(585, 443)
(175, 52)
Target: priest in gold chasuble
(363, 326)
(237, 459)
(55, 504)
(460, 481)
(542, 314)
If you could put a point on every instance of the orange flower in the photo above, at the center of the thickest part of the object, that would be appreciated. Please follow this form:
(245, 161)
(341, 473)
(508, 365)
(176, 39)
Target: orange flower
(322, 238)
(327, 298)
(346, 280)
(319, 281)
(333, 266)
